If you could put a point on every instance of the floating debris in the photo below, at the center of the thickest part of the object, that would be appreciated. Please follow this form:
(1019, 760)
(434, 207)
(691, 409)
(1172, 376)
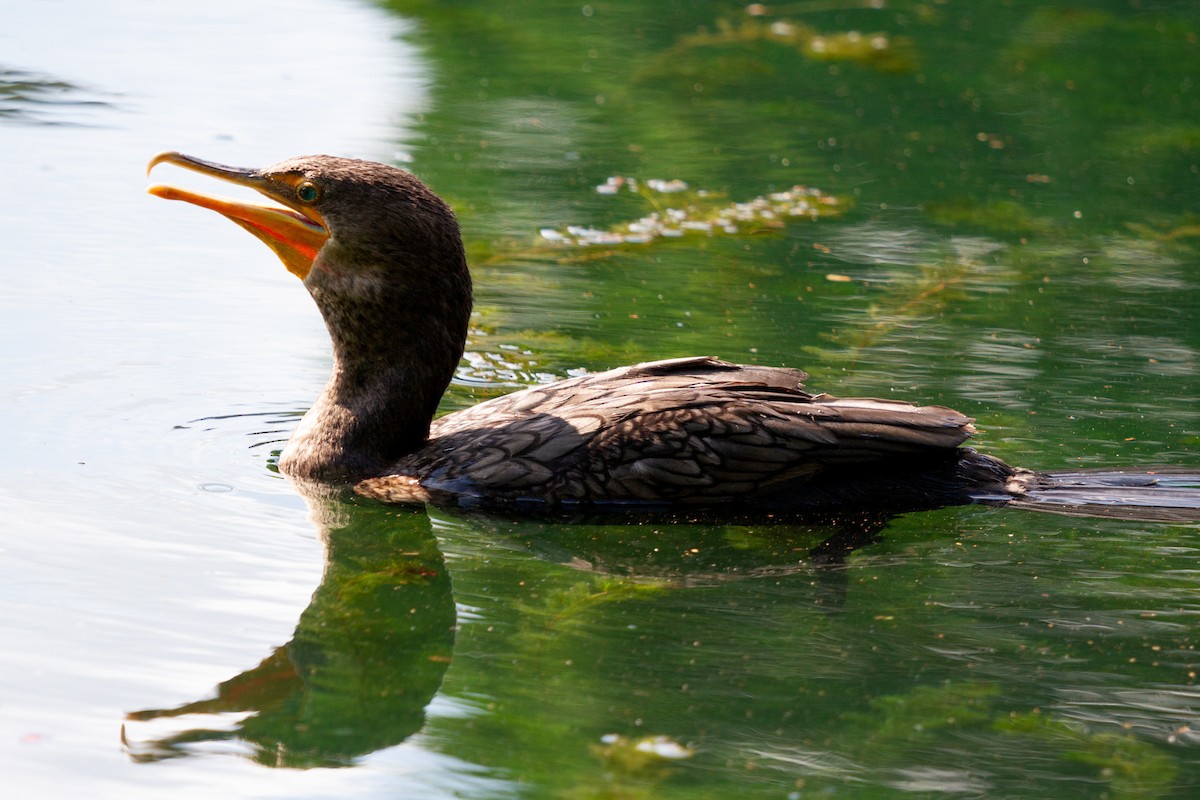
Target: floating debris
(667, 187)
(700, 213)
(645, 754)
(876, 49)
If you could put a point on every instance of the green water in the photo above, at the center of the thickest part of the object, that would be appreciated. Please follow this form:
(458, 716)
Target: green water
(1021, 245)
(1015, 235)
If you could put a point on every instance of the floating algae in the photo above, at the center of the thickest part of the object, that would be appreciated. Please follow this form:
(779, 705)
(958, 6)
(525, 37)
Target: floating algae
(698, 212)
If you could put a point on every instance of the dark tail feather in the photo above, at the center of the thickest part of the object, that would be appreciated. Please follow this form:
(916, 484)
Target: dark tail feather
(1167, 494)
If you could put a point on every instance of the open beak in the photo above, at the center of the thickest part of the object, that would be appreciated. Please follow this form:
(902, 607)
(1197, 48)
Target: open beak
(296, 233)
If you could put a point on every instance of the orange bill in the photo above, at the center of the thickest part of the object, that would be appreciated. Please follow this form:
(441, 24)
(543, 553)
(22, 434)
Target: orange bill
(296, 234)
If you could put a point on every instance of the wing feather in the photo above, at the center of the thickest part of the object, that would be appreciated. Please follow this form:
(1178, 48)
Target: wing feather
(684, 430)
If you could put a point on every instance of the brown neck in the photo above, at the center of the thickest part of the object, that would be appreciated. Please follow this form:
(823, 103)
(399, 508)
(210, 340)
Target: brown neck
(395, 349)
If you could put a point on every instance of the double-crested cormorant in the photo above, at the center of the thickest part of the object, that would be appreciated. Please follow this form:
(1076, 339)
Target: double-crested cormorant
(382, 256)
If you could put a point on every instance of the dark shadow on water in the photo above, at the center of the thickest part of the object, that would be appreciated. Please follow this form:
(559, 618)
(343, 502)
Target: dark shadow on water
(371, 649)
(682, 551)
(367, 655)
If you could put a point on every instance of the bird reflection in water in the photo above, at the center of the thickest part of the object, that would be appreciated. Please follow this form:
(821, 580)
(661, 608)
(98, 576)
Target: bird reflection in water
(366, 657)
(370, 651)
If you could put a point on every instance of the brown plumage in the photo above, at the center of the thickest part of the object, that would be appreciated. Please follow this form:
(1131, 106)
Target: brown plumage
(691, 431)
(382, 257)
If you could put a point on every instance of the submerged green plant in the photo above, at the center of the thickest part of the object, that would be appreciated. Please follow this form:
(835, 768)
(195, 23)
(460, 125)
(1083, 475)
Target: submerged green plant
(1167, 231)
(1006, 217)
(926, 709)
(920, 294)
(567, 608)
(1130, 766)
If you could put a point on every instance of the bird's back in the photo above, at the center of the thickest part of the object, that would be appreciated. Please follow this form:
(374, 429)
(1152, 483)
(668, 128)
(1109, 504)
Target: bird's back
(684, 432)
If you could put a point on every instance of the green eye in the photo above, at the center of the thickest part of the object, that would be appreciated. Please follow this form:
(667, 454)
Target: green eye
(308, 192)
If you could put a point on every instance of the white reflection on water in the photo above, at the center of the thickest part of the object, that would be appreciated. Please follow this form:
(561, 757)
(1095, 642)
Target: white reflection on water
(1152, 355)
(1167, 713)
(123, 582)
(880, 243)
(1000, 368)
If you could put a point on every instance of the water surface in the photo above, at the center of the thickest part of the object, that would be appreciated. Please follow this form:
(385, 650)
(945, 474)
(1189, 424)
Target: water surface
(1014, 236)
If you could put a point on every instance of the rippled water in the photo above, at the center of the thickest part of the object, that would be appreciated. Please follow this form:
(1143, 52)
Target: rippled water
(1017, 240)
